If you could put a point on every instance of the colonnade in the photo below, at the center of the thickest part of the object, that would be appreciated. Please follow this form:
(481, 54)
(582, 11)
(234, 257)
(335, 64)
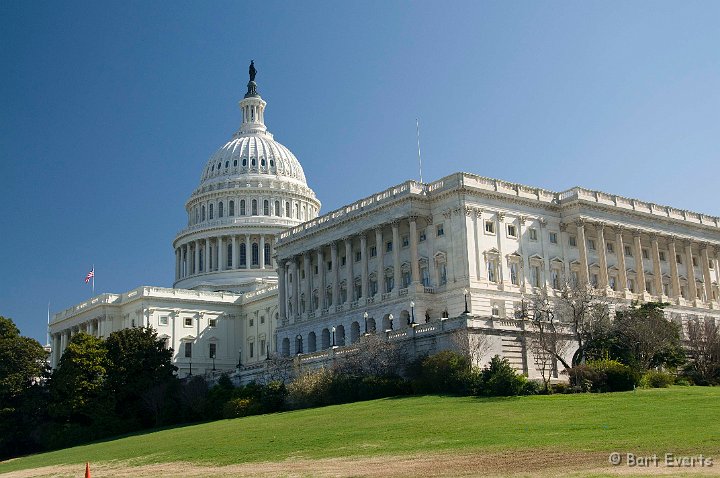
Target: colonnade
(699, 259)
(325, 270)
(224, 252)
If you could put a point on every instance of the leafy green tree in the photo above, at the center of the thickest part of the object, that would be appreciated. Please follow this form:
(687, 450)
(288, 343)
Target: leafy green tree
(643, 338)
(78, 381)
(23, 366)
(138, 366)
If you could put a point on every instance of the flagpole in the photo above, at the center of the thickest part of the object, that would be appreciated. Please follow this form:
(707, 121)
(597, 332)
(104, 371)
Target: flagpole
(93, 278)
(48, 325)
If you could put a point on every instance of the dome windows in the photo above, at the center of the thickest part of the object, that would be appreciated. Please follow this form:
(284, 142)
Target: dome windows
(220, 209)
(262, 162)
(254, 162)
(231, 207)
(242, 207)
(227, 164)
(272, 163)
(244, 162)
(254, 207)
(235, 163)
(211, 211)
(266, 207)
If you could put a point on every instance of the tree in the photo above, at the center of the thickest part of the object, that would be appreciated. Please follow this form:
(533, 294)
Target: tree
(23, 401)
(137, 362)
(78, 381)
(22, 363)
(549, 339)
(583, 308)
(373, 356)
(703, 344)
(474, 346)
(643, 338)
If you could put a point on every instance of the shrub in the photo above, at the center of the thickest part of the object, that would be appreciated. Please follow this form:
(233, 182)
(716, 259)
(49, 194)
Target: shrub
(272, 396)
(240, 407)
(310, 389)
(683, 382)
(656, 379)
(582, 377)
(443, 372)
(500, 379)
(612, 376)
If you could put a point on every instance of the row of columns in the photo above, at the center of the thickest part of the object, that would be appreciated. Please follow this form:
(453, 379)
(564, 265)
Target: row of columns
(301, 210)
(290, 295)
(187, 256)
(675, 247)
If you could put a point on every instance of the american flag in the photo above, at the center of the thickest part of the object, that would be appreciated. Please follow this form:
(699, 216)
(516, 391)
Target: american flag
(90, 275)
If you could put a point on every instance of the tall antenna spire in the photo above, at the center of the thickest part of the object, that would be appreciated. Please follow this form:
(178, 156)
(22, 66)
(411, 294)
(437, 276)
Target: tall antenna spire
(417, 124)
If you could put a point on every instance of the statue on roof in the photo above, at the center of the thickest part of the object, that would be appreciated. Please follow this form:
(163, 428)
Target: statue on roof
(253, 71)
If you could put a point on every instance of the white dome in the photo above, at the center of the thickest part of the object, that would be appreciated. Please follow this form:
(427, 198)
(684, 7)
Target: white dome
(252, 154)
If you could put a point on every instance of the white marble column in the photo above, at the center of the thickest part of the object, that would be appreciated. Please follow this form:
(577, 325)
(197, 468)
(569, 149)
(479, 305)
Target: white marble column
(639, 268)
(657, 271)
(196, 257)
(308, 282)
(622, 267)
(379, 251)
(363, 266)
(349, 269)
(282, 300)
(261, 251)
(692, 288)
(206, 265)
(335, 273)
(396, 256)
(414, 259)
(705, 259)
(235, 254)
(248, 252)
(602, 256)
(221, 253)
(674, 275)
(582, 248)
(321, 280)
(178, 255)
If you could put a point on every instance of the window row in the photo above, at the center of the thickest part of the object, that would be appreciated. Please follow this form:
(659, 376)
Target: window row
(252, 207)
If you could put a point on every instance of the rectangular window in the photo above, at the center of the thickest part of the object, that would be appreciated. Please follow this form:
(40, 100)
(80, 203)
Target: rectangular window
(316, 269)
(553, 238)
(678, 259)
(612, 282)
(645, 254)
(514, 273)
(591, 244)
(252, 322)
(252, 349)
(489, 227)
(188, 321)
(532, 233)
(555, 279)
(343, 260)
(662, 255)
(648, 286)
(439, 231)
(631, 285)
(495, 311)
(213, 350)
(628, 251)
(572, 241)
(188, 349)
(405, 241)
(535, 276)
(492, 275)
(212, 323)
(443, 274)
(594, 280)
(329, 265)
(511, 231)
(358, 256)
(388, 246)
(262, 319)
(373, 251)
(694, 261)
(163, 320)
(610, 247)
(666, 288)
(422, 236)
(262, 344)
(711, 265)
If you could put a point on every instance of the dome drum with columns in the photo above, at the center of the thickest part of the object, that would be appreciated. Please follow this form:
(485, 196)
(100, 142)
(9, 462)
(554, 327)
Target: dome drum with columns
(251, 190)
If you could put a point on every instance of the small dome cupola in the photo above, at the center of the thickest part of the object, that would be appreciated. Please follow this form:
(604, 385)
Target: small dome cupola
(252, 107)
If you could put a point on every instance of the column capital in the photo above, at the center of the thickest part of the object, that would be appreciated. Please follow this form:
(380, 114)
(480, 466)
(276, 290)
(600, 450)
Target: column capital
(412, 218)
(363, 236)
(653, 238)
(378, 229)
(333, 246)
(501, 216)
(563, 226)
(522, 219)
(395, 223)
(447, 214)
(599, 225)
(542, 221)
(469, 211)
(636, 232)
(580, 222)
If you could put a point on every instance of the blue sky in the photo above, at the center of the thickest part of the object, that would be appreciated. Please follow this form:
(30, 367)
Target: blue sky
(111, 109)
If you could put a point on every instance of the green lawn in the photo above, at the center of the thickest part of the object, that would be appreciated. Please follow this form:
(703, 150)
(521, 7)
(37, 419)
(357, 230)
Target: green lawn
(679, 420)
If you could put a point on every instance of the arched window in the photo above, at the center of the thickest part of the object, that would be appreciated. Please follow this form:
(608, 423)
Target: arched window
(254, 207)
(297, 211)
(287, 209)
(197, 215)
(201, 266)
(266, 207)
(231, 206)
(244, 161)
(255, 254)
(277, 208)
(243, 255)
(211, 211)
(220, 209)
(242, 207)
(267, 254)
(202, 215)
(229, 255)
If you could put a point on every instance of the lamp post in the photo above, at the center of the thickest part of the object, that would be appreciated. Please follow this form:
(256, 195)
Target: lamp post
(239, 358)
(390, 318)
(412, 313)
(299, 344)
(465, 293)
(333, 336)
(267, 353)
(365, 316)
(212, 356)
(190, 374)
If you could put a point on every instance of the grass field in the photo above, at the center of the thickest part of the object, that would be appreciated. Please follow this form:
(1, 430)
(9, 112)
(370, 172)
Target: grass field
(477, 436)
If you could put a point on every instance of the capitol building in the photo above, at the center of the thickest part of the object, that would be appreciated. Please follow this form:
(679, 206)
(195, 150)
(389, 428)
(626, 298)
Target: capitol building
(259, 272)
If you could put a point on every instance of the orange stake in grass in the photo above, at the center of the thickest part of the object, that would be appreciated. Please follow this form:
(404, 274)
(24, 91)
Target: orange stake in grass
(87, 469)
